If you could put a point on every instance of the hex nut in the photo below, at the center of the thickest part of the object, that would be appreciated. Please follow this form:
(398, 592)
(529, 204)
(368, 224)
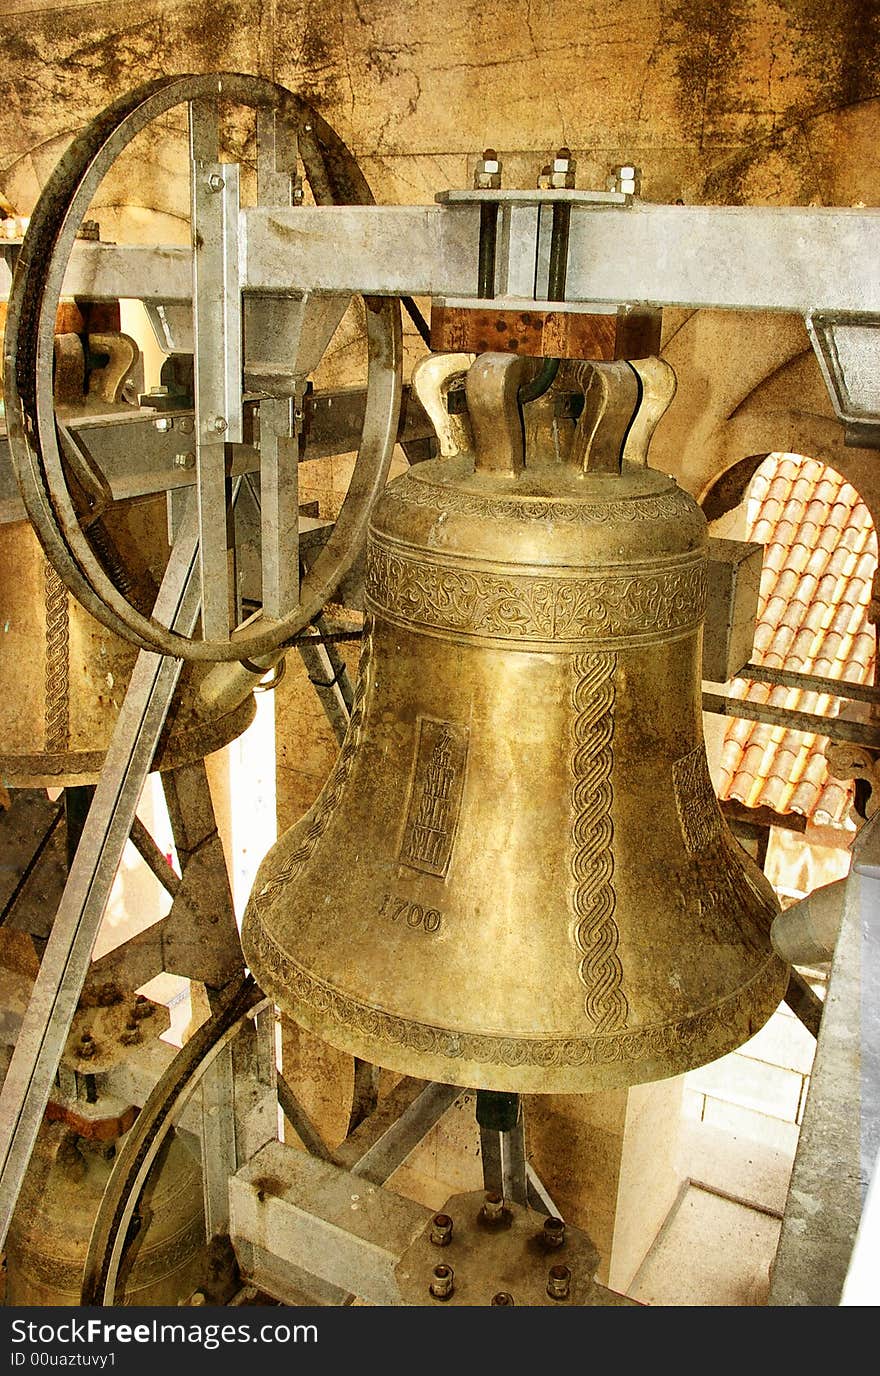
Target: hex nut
(487, 174)
(442, 1282)
(563, 170)
(493, 1207)
(553, 1232)
(441, 1230)
(625, 179)
(559, 1282)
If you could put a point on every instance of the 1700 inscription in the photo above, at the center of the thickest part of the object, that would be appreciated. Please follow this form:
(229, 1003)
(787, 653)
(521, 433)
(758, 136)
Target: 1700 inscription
(413, 914)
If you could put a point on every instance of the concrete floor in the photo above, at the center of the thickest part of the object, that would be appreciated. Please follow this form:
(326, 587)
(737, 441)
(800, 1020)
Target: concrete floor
(741, 1125)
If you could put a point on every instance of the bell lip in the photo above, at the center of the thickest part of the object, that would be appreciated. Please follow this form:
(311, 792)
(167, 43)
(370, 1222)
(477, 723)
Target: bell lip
(76, 768)
(731, 1021)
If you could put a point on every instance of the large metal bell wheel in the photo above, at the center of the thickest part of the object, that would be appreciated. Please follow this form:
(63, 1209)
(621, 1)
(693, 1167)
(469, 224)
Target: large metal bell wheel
(43, 464)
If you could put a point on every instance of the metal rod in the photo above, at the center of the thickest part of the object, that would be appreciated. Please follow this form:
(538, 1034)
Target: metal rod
(417, 319)
(365, 1092)
(810, 683)
(487, 250)
(394, 1146)
(539, 1197)
(559, 232)
(832, 728)
(152, 857)
(300, 1121)
(30, 867)
(804, 1002)
(77, 801)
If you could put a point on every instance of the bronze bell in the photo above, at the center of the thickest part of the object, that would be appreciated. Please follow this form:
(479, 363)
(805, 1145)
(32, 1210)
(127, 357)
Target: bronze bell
(517, 876)
(49, 1235)
(63, 676)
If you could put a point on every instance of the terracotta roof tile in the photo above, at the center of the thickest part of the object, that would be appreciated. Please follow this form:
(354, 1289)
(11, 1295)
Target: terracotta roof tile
(820, 557)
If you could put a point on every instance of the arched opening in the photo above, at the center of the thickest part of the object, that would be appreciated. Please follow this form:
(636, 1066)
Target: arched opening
(820, 559)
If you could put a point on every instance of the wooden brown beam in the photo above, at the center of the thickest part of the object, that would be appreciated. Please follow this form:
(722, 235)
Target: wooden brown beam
(546, 334)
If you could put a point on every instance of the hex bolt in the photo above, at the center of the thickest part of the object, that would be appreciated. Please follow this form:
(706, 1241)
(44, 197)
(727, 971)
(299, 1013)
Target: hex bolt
(487, 173)
(158, 392)
(442, 1282)
(563, 170)
(184, 460)
(87, 1047)
(216, 182)
(625, 179)
(559, 1282)
(441, 1230)
(553, 1232)
(143, 1008)
(131, 1033)
(493, 1207)
(163, 424)
(503, 1297)
(217, 425)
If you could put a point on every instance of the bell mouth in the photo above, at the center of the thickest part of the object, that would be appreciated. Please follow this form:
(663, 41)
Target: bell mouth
(526, 1065)
(179, 746)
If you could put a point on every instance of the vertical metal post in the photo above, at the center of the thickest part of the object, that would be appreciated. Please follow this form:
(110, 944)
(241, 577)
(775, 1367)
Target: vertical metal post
(279, 503)
(219, 1157)
(503, 1145)
(280, 415)
(217, 336)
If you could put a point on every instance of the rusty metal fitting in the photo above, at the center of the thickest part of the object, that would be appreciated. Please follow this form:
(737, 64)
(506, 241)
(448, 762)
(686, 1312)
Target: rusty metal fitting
(503, 1297)
(626, 179)
(441, 1230)
(563, 170)
(545, 177)
(553, 1232)
(143, 1008)
(493, 1207)
(108, 995)
(442, 1282)
(559, 1282)
(131, 1033)
(487, 173)
(296, 189)
(87, 1048)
